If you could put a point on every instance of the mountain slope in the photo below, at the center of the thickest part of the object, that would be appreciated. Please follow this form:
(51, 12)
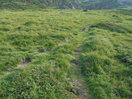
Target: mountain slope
(39, 54)
(105, 4)
(66, 4)
(69, 4)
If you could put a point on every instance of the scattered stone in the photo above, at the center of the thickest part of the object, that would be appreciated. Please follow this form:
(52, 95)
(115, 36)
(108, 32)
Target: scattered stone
(80, 90)
(78, 50)
(8, 71)
(43, 50)
(83, 29)
(25, 62)
(92, 38)
(74, 61)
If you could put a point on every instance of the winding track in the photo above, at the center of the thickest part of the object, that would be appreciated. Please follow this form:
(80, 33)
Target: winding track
(77, 81)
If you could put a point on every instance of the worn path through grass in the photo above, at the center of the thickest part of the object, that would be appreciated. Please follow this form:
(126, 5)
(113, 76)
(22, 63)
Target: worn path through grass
(62, 55)
(77, 78)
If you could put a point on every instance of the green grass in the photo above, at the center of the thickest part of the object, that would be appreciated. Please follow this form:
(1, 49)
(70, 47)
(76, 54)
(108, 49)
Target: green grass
(45, 41)
(106, 63)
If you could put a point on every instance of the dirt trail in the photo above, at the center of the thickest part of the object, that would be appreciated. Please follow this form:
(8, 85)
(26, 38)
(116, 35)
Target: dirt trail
(77, 80)
(25, 62)
(49, 50)
(28, 60)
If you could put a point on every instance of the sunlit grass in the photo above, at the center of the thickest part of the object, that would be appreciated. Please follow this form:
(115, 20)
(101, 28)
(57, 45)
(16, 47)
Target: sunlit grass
(37, 47)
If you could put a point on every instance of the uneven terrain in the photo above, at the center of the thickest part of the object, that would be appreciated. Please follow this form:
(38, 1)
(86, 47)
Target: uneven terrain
(65, 54)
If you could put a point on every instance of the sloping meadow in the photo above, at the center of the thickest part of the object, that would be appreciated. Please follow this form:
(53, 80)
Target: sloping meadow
(37, 47)
(106, 61)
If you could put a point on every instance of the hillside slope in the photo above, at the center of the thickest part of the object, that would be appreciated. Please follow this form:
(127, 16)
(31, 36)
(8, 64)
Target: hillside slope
(47, 53)
(69, 4)
(66, 4)
(105, 4)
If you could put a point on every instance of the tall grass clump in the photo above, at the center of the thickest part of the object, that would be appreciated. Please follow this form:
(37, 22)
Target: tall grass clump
(101, 69)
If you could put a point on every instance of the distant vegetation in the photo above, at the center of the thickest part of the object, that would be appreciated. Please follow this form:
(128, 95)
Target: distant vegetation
(66, 4)
(105, 4)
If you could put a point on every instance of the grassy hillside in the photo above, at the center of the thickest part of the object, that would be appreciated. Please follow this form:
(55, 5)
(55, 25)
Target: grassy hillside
(65, 54)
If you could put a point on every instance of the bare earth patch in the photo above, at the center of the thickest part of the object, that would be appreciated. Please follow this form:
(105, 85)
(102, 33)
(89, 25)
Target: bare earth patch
(25, 62)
